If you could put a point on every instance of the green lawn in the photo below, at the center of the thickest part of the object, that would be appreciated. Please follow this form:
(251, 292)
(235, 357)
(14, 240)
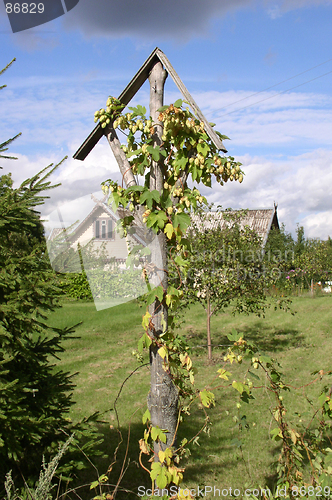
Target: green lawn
(102, 357)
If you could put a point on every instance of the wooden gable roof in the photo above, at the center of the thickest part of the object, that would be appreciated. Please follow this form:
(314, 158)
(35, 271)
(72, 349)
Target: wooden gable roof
(100, 207)
(128, 93)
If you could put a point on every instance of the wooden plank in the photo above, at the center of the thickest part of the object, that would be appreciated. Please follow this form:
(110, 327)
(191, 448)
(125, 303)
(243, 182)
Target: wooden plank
(120, 156)
(125, 97)
(89, 143)
(180, 85)
(137, 81)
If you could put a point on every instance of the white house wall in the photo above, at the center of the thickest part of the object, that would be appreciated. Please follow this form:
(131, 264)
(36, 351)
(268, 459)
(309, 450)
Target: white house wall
(115, 248)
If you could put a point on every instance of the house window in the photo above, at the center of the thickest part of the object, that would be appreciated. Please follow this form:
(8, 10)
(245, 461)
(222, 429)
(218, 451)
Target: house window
(110, 229)
(104, 229)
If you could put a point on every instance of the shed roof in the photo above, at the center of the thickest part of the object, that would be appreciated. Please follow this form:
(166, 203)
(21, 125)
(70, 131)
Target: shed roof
(260, 220)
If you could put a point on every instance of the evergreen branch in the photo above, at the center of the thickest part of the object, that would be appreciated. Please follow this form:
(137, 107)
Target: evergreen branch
(6, 143)
(6, 67)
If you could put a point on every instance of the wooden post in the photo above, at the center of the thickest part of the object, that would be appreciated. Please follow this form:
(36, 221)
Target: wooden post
(163, 395)
(208, 313)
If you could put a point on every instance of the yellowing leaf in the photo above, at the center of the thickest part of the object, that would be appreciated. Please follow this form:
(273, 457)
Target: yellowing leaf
(238, 386)
(191, 377)
(154, 433)
(162, 352)
(185, 360)
(146, 416)
(169, 230)
(161, 455)
(168, 455)
(224, 374)
(176, 473)
(276, 434)
(294, 435)
(146, 320)
(162, 437)
(143, 447)
(207, 398)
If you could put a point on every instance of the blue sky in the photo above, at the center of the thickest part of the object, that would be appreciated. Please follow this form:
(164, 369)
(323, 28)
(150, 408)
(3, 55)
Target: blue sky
(224, 52)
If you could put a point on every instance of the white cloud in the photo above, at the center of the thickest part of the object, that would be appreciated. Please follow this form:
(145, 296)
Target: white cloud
(318, 224)
(303, 119)
(77, 178)
(280, 131)
(300, 185)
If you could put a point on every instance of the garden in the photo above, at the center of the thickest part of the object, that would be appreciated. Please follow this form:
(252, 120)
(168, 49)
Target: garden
(214, 383)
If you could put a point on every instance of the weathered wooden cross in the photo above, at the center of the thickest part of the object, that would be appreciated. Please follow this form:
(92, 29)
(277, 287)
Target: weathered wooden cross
(163, 395)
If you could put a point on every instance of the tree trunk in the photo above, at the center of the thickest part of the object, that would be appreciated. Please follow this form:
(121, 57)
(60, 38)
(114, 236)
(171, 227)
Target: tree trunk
(208, 320)
(163, 395)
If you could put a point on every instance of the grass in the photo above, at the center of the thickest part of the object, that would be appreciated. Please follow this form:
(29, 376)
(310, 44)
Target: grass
(102, 357)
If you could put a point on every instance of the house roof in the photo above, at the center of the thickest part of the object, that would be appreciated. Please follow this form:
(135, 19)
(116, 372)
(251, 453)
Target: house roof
(128, 93)
(100, 206)
(260, 220)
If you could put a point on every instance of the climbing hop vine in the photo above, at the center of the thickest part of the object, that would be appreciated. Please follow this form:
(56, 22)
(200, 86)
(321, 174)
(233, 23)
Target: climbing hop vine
(186, 151)
(187, 158)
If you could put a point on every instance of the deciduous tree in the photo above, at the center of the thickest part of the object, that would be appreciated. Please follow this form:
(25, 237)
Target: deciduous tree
(226, 268)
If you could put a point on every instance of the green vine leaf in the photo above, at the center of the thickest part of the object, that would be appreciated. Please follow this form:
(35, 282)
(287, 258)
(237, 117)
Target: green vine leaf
(157, 220)
(146, 417)
(178, 103)
(138, 111)
(207, 398)
(203, 148)
(265, 359)
(155, 292)
(160, 474)
(182, 221)
(157, 433)
(238, 386)
(276, 434)
(148, 197)
(144, 341)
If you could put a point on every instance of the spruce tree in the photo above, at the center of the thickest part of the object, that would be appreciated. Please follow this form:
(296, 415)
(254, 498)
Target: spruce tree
(35, 396)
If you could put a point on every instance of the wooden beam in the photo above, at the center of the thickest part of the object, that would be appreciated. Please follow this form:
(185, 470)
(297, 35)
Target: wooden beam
(120, 156)
(125, 97)
(141, 76)
(180, 85)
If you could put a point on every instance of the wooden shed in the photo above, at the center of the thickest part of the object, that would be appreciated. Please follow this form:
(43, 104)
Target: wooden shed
(261, 220)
